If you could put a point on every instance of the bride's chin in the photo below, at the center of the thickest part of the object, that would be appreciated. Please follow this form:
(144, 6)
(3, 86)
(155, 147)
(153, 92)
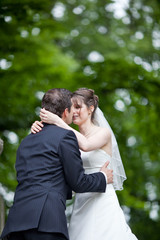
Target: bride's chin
(75, 122)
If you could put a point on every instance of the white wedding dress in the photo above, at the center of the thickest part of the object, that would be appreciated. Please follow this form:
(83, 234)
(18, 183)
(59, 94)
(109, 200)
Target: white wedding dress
(98, 216)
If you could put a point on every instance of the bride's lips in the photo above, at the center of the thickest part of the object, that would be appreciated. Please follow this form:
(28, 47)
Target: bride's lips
(75, 117)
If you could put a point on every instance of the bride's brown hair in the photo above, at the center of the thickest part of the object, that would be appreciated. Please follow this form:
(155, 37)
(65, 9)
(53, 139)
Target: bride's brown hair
(88, 97)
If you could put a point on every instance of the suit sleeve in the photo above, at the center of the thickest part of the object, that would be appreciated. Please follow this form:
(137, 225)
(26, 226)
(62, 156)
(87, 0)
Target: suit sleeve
(73, 167)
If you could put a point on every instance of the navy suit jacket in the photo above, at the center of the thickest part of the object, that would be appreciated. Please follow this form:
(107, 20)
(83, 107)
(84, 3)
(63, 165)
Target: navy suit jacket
(48, 168)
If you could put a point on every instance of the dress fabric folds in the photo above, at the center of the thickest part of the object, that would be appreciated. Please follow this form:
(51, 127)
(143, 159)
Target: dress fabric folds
(98, 216)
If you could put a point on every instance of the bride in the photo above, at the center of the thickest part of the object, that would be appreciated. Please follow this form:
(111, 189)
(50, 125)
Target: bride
(95, 215)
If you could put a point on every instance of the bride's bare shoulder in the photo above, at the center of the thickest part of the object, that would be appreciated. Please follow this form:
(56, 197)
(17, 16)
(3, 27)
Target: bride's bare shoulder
(104, 131)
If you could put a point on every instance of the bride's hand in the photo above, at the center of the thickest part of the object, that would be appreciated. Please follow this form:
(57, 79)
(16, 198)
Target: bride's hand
(48, 117)
(36, 127)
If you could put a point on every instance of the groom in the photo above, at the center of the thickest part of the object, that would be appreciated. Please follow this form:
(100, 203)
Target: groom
(48, 168)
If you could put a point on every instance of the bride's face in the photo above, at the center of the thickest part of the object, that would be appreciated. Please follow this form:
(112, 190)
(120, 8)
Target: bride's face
(81, 113)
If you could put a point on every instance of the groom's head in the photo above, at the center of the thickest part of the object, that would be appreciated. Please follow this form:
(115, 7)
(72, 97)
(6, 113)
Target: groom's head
(58, 101)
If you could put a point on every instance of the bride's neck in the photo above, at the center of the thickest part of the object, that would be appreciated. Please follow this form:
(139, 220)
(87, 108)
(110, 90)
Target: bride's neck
(87, 128)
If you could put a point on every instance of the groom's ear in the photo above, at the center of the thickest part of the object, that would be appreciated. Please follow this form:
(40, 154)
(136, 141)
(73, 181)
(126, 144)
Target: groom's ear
(65, 113)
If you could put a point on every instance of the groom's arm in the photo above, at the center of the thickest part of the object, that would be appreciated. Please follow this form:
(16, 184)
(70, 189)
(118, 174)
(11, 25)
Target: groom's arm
(73, 167)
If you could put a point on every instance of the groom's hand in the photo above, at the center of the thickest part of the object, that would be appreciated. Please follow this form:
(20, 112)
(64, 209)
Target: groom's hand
(108, 172)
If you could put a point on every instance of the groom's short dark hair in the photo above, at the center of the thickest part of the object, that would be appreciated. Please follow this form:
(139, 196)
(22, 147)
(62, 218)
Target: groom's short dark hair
(56, 100)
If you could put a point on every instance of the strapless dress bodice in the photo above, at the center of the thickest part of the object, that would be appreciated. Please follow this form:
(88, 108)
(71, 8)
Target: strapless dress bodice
(94, 160)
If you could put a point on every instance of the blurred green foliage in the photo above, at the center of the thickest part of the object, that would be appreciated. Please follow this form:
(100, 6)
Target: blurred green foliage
(109, 47)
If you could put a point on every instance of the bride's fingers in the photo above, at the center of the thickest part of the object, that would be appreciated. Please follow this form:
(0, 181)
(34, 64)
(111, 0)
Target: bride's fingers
(38, 124)
(43, 110)
(42, 115)
(33, 130)
(36, 127)
(43, 118)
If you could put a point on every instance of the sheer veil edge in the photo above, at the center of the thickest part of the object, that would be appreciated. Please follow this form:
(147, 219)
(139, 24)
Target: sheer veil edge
(116, 161)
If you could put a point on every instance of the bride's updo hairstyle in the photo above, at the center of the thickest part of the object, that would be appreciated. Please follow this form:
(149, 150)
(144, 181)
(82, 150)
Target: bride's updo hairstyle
(86, 96)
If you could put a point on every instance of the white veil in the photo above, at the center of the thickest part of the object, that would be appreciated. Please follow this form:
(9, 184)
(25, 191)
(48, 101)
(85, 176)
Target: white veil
(119, 175)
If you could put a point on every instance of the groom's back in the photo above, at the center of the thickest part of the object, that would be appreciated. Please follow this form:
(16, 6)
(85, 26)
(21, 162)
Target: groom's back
(38, 162)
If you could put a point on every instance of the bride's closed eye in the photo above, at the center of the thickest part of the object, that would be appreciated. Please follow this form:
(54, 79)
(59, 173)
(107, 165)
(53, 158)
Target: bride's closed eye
(77, 106)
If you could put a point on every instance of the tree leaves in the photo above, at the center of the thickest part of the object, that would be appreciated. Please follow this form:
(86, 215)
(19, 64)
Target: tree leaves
(113, 49)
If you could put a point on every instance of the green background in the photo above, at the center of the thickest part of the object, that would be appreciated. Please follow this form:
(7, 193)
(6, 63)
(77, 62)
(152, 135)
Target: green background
(110, 46)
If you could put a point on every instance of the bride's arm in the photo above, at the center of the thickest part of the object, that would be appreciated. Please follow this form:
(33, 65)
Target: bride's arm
(98, 140)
